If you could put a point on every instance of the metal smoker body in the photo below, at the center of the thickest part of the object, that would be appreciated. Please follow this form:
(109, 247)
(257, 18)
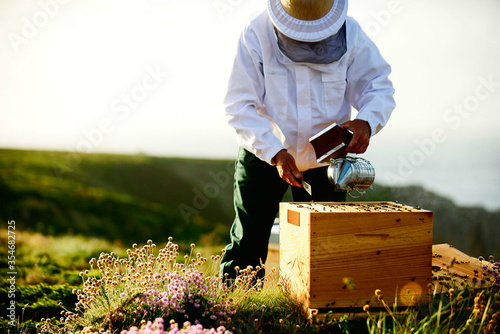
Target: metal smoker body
(351, 173)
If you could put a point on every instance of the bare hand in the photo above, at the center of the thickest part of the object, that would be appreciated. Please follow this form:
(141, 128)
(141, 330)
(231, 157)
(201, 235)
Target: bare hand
(361, 133)
(287, 169)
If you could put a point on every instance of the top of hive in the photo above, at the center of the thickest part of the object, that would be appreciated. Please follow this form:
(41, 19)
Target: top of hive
(354, 207)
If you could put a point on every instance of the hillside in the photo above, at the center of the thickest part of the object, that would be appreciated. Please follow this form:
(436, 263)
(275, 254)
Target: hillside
(117, 197)
(132, 198)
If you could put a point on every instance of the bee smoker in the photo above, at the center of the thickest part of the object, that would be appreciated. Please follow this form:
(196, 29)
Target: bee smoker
(345, 172)
(351, 173)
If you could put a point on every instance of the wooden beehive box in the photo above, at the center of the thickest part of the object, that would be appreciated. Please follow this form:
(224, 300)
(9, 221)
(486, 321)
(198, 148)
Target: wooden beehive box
(335, 255)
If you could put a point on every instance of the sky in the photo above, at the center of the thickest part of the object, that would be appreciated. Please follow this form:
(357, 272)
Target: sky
(149, 76)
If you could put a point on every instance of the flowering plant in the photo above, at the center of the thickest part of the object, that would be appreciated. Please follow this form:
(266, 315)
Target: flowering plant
(149, 284)
(157, 327)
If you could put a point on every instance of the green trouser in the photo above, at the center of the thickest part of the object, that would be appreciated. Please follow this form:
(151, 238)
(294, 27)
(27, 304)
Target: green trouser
(258, 190)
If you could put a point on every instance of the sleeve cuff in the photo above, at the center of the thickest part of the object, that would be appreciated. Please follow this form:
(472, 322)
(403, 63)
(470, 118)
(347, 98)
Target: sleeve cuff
(270, 153)
(372, 122)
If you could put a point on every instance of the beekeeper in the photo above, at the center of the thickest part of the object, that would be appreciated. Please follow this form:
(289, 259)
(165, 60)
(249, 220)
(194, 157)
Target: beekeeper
(300, 66)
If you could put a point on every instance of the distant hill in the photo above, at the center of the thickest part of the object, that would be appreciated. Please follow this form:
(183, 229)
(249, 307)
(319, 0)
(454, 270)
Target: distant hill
(133, 198)
(130, 198)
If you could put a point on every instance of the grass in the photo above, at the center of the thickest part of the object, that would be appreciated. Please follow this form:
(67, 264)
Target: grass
(53, 260)
(471, 311)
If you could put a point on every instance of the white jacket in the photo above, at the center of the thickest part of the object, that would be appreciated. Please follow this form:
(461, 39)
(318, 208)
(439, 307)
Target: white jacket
(274, 103)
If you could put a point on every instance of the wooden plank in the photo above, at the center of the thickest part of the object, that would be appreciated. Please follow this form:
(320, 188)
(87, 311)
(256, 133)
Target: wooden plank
(449, 262)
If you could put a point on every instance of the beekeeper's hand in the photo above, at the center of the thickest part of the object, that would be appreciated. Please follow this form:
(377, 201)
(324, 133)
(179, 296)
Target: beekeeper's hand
(287, 169)
(361, 133)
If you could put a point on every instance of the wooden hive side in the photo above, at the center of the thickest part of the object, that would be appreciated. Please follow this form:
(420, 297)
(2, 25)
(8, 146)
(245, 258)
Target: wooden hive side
(352, 254)
(295, 251)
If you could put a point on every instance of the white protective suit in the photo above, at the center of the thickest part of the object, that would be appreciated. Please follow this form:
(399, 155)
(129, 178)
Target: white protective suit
(274, 103)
